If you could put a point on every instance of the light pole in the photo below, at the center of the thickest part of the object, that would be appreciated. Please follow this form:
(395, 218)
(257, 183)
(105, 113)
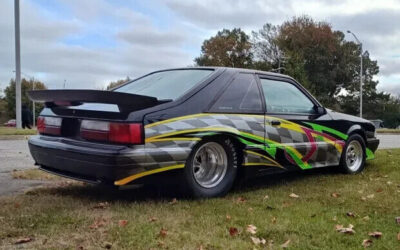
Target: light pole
(17, 67)
(361, 69)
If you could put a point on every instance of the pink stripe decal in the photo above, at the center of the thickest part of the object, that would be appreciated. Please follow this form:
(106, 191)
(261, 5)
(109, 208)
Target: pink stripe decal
(313, 144)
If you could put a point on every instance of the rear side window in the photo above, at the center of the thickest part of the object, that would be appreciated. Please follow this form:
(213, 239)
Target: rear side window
(166, 85)
(241, 96)
(284, 97)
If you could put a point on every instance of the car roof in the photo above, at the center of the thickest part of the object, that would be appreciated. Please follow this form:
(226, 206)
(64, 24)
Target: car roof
(232, 70)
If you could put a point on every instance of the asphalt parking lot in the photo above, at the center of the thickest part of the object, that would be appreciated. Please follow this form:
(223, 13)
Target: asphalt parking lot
(14, 155)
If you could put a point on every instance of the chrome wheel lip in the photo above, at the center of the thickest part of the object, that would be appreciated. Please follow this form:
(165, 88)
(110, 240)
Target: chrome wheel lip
(354, 155)
(210, 164)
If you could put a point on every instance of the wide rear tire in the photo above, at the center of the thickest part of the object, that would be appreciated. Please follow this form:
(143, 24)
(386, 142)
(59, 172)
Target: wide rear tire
(211, 168)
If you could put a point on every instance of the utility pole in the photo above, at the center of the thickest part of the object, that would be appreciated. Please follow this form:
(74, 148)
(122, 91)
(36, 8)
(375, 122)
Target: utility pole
(33, 104)
(18, 113)
(361, 71)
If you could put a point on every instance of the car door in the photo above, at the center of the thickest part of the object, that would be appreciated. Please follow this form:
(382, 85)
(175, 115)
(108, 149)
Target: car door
(240, 106)
(292, 134)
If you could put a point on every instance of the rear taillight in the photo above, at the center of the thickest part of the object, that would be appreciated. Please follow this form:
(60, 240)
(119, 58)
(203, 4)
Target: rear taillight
(49, 125)
(127, 133)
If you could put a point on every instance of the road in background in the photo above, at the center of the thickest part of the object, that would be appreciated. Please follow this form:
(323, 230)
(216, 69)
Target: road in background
(14, 155)
(389, 141)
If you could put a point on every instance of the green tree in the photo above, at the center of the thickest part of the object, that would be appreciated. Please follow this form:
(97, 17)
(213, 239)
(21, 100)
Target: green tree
(3, 111)
(315, 55)
(229, 48)
(26, 85)
(112, 85)
(267, 54)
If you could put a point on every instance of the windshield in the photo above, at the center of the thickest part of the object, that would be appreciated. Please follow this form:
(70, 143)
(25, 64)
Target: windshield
(166, 85)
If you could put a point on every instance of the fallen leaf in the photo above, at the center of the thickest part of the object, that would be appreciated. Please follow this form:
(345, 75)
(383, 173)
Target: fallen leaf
(23, 240)
(363, 198)
(107, 245)
(370, 196)
(266, 197)
(101, 205)
(286, 204)
(233, 231)
(122, 223)
(366, 218)
(152, 219)
(17, 205)
(240, 200)
(251, 229)
(379, 190)
(345, 230)
(366, 243)
(350, 214)
(338, 227)
(335, 195)
(293, 195)
(228, 217)
(286, 244)
(375, 234)
(398, 236)
(163, 232)
(99, 222)
(250, 209)
(161, 244)
(173, 201)
(273, 220)
(258, 241)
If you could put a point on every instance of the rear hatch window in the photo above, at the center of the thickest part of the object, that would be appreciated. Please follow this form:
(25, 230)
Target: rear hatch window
(166, 85)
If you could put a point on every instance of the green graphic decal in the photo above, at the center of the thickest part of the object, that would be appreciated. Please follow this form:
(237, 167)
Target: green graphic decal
(370, 154)
(321, 129)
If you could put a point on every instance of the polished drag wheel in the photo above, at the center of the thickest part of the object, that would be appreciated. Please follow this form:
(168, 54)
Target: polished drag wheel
(210, 164)
(211, 168)
(353, 155)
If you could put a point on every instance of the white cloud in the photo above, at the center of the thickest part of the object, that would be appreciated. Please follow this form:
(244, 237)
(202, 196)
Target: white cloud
(140, 47)
(169, 34)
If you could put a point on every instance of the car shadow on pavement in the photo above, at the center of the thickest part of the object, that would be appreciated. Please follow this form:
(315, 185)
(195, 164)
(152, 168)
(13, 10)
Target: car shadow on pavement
(168, 191)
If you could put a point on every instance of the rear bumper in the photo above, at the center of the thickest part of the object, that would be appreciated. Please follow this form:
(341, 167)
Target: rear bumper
(85, 161)
(372, 144)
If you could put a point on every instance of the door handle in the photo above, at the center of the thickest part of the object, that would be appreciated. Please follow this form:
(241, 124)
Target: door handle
(275, 123)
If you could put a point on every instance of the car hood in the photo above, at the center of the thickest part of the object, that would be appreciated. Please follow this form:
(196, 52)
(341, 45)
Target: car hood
(340, 116)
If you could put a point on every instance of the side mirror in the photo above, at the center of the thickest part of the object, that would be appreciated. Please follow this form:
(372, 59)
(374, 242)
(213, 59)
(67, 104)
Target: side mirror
(320, 110)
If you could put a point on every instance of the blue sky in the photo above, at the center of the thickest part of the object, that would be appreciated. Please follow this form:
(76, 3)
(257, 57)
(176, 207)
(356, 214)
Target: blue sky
(91, 42)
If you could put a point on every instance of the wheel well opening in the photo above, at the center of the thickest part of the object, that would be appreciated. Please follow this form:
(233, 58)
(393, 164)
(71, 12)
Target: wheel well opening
(359, 132)
(239, 146)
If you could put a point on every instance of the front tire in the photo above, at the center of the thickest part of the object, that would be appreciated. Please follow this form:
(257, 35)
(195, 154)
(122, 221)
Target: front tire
(211, 168)
(353, 156)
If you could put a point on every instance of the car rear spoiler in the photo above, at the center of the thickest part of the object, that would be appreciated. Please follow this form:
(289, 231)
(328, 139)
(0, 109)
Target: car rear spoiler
(73, 97)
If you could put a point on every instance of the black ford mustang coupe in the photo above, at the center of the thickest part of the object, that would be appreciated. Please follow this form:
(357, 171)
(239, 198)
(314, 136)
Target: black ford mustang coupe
(211, 125)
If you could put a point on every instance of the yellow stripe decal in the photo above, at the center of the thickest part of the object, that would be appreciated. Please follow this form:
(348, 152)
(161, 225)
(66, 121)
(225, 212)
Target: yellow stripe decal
(259, 164)
(175, 119)
(142, 174)
(208, 129)
(194, 116)
(263, 156)
(173, 139)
